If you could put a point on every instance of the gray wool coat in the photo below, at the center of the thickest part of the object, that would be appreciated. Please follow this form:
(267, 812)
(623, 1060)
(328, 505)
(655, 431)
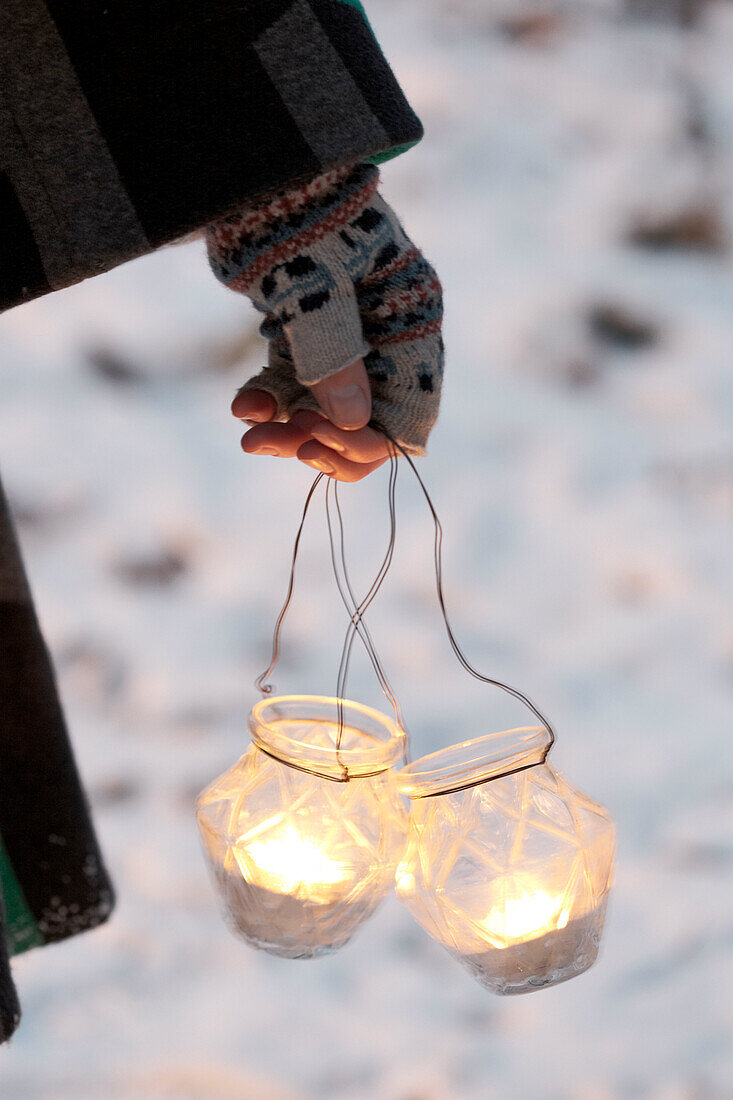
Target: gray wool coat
(125, 124)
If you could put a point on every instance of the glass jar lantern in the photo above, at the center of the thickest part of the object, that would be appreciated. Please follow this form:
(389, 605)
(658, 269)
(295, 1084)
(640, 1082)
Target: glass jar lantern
(302, 837)
(509, 872)
(501, 861)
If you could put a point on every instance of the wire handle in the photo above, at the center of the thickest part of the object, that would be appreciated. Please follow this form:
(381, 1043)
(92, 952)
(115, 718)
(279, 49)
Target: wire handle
(463, 660)
(356, 610)
(357, 625)
(260, 682)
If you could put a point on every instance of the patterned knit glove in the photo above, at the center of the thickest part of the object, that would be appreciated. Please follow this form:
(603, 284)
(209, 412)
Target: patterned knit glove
(337, 278)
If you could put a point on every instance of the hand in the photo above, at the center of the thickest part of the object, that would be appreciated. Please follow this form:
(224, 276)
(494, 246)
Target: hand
(336, 441)
(352, 318)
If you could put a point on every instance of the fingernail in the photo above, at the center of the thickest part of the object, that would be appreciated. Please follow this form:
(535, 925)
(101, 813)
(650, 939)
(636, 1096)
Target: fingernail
(347, 406)
(266, 451)
(324, 436)
(319, 464)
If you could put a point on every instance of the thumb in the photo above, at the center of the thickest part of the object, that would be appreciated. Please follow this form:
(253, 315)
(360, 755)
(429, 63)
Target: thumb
(345, 396)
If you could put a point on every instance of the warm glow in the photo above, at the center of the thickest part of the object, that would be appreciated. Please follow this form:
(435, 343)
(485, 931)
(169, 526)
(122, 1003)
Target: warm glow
(525, 916)
(404, 879)
(289, 863)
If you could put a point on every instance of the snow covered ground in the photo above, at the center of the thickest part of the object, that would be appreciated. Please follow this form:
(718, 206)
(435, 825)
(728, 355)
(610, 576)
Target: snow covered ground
(574, 192)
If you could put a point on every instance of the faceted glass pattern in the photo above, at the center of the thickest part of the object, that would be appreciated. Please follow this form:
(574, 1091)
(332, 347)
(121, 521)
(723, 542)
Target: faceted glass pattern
(511, 876)
(300, 861)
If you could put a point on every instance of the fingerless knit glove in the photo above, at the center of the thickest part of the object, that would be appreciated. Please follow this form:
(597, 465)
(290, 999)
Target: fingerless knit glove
(337, 278)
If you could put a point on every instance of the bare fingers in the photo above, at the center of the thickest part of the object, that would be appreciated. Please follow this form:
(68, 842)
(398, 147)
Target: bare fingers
(256, 406)
(281, 440)
(314, 454)
(345, 396)
(362, 445)
(342, 454)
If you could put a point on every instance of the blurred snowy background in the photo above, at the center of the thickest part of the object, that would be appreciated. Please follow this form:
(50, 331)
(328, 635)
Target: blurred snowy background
(574, 191)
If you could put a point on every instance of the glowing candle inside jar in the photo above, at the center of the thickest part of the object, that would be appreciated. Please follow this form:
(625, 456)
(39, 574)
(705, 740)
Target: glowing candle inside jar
(525, 916)
(404, 880)
(290, 863)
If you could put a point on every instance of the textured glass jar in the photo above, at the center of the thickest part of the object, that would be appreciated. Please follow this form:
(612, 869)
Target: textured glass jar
(300, 861)
(510, 874)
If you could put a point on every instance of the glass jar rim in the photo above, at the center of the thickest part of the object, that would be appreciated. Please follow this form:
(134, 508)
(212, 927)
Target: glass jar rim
(472, 762)
(379, 747)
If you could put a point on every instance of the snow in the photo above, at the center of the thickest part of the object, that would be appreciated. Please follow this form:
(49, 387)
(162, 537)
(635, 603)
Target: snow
(585, 484)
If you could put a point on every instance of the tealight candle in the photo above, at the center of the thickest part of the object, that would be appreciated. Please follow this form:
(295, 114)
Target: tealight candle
(290, 863)
(524, 913)
(302, 859)
(509, 872)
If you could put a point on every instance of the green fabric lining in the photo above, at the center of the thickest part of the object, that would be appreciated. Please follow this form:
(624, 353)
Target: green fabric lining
(395, 151)
(21, 929)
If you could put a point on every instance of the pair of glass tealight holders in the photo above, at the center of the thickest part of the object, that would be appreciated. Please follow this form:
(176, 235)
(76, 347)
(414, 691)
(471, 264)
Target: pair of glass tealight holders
(497, 856)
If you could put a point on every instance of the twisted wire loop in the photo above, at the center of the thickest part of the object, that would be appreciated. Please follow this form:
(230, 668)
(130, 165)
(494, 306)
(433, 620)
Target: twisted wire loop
(462, 659)
(484, 779)
(356, 618)
(357, 625)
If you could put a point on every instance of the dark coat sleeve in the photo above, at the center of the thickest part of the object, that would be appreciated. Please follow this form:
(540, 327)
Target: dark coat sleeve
(53, 882)
(125, 124)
